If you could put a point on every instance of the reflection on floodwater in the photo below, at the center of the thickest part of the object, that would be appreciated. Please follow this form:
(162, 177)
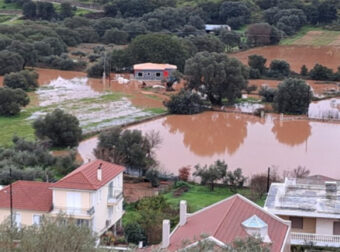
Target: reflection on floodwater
(293, 132)
(248, 142)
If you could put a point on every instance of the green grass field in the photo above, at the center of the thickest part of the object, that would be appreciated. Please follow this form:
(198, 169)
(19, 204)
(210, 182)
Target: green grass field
(5, 18)
(200, 196)
(8, 6)
(325, 38)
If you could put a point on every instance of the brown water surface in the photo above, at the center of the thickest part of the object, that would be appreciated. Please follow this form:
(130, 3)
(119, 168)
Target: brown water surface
(248, 142)
(296, 56)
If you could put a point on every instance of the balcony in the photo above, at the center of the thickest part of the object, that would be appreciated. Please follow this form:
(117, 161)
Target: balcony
(114, 198)
(319, 240)
(75, 212)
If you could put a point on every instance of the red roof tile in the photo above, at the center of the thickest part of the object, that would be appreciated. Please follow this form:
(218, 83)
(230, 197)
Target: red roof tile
(224, 220)
(28, 195)
(85, 177)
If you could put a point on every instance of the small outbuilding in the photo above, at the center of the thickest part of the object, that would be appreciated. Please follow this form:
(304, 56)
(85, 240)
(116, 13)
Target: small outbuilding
(152, 71)
(216, 27)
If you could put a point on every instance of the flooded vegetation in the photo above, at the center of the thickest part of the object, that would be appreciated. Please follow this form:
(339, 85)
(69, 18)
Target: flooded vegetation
(95, 110)
(326, 109)
(296, 56)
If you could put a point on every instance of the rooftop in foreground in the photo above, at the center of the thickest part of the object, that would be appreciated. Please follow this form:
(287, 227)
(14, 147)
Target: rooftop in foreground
(305, 197)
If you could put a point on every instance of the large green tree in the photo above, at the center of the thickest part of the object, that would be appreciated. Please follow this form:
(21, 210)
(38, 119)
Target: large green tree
(26, 80)
(10, 62)
(293, 96)
(158, 48)
(217, 76)
(128, 147)
(60, 128)
(11, 101)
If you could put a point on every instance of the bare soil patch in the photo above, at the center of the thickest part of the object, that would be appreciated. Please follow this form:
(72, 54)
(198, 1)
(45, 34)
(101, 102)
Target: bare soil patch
(296, 56)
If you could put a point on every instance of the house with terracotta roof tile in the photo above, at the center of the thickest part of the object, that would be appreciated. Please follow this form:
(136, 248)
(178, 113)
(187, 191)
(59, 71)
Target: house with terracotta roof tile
(31, 200)
(313, 207)
(153, 71)
(92, 194)
(225, 221)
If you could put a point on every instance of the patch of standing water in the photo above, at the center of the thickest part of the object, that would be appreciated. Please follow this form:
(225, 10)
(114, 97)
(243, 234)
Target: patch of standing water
(325, 109)
(94, 110)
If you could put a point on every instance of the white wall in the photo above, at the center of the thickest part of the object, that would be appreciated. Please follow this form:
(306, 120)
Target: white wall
(324, 226)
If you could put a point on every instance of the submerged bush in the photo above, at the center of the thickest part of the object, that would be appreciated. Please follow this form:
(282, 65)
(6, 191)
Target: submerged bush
(26, 80)
(185, 102)
(11, 101)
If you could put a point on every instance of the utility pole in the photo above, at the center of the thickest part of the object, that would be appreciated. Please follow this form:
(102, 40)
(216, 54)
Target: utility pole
(11, 195)
(104, 72)
(268, 179)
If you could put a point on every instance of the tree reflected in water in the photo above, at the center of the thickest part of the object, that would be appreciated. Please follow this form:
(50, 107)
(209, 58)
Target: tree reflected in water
(291, 132)
(210, 133)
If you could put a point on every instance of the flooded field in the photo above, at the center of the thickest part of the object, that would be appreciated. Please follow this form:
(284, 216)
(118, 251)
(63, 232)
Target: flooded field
(296, 56)
(248, 142)
(244, 141)
(326, 109)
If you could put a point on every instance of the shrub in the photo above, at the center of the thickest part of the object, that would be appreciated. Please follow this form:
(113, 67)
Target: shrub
(235, 179)
(134, 233)
(304, 70)
(209, 175)
(267, 93)
(60, 128)
(185, 102)
(293, 96)
(11, 100)
(153, 176)
(184, 173)
(279, 69)
(26, 80)
(320, 72)
(257, 62)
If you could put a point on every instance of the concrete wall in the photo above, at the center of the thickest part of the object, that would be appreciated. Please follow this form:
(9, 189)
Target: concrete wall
(309, 225)
(324, 226)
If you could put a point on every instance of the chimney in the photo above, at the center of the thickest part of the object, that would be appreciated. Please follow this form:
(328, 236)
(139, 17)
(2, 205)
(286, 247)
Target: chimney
(182, 212)
(99, 172)
(166, 234)
(331, 189)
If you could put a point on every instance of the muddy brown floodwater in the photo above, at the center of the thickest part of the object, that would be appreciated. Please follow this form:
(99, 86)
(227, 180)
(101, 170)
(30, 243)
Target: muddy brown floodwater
(248, 142)
(296, 56)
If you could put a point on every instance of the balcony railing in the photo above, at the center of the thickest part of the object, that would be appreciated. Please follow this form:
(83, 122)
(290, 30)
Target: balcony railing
(316, 239)
(114, 198)
(75, 211)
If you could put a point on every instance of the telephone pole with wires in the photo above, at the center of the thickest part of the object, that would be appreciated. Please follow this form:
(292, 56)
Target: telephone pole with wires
(11, 195)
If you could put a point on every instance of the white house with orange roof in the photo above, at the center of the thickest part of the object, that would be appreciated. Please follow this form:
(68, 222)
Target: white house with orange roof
(92, 194)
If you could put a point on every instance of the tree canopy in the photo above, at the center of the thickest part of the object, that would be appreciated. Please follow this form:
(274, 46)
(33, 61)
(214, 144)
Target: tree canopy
(217, 76)
(60, 128)
(11, 101)
(293, 96)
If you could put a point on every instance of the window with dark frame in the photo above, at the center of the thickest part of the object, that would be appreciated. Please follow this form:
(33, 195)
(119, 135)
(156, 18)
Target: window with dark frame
(158, 74)
(140, 74)
(297, 222)
(336, 228)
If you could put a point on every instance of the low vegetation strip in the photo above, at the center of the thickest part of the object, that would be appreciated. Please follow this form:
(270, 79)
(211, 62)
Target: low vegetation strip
(314, 36)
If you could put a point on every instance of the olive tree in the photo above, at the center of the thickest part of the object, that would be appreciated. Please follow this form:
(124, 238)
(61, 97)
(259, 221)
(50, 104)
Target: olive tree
(293, 96)
(210, 175)
(10, 62)
(128, 147)
(60, 128)
(11, 101)
(26, 80)
(217, 76)
(185, 102)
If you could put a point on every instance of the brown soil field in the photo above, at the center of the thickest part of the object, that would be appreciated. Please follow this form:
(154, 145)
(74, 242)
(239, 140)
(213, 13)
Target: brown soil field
(296, 56)
(319, 87)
